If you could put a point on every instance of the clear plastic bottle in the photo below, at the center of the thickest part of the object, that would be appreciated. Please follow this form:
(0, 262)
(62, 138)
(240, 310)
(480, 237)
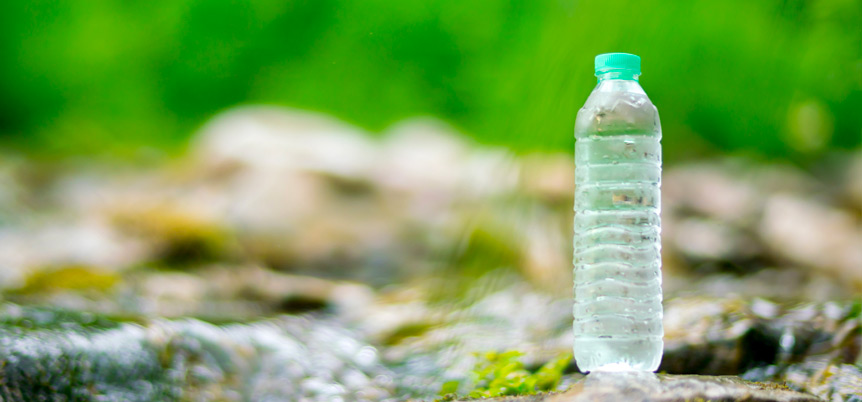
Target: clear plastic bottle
(617, 259)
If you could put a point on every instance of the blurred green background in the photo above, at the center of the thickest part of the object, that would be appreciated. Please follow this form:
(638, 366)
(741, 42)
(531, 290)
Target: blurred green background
(778, 79)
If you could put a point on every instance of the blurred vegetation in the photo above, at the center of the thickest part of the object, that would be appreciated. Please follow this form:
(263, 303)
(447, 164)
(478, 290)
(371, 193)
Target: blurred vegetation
(779, 78)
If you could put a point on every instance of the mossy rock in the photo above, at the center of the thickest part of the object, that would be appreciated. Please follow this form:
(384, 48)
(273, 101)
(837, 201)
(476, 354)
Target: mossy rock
(76, 278)
(181, 238)
(50, 355)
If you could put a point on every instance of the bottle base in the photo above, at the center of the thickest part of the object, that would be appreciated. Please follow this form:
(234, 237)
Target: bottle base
(609, 354)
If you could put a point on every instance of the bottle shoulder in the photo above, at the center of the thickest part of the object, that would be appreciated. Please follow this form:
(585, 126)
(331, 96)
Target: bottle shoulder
(618, 110)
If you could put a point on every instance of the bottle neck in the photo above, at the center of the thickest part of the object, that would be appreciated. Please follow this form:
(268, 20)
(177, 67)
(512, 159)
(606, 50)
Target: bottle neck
(611, 83)
(617, 75)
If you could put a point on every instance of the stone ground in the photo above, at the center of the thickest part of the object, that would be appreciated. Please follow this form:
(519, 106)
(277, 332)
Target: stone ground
(288, 255)
(648, 387)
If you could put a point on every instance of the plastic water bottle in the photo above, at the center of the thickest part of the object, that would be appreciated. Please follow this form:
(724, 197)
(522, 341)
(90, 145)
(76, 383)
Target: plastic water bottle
(617, 259)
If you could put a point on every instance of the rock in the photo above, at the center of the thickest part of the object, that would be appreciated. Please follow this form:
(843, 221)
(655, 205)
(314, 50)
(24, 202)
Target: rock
(269, 138)
(177, 236)
(422, 345)
(738, 217)
(710, 190)
(241, 292)
(648, 387)
(806, 285)
(432, 163)
(172, 294)
(832, 382)
(422, 243)
(306, 193)
(433, 346)
(548, 176)
(817, 236)
(702, 335)
(48, 355)
(277, 292)
(706, 240)
(88, 242)
(721, 337)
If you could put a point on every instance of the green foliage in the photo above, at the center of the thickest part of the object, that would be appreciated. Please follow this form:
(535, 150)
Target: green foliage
(775, 77)
(503, 373)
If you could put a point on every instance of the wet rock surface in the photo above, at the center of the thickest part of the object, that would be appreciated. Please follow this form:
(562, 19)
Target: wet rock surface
(291, 254)
(714, 336)
(416, 352)
(647, 387)
(49, 355)
(830, 381)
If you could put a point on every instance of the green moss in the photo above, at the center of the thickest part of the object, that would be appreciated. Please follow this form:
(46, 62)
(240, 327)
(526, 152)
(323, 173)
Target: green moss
(408, 331)
(26, 318)
(75, 278)
(855, 309)
(181, 237)
(773, 386)
(503, 373)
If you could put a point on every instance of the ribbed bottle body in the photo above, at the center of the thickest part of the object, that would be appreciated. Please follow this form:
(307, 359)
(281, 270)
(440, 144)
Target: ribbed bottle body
(617, 242)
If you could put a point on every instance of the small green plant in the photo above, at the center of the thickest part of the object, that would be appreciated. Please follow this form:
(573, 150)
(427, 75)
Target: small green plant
(503, 373)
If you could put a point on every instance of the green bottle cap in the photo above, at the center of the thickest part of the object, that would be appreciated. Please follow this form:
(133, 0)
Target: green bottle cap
(622, 62)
